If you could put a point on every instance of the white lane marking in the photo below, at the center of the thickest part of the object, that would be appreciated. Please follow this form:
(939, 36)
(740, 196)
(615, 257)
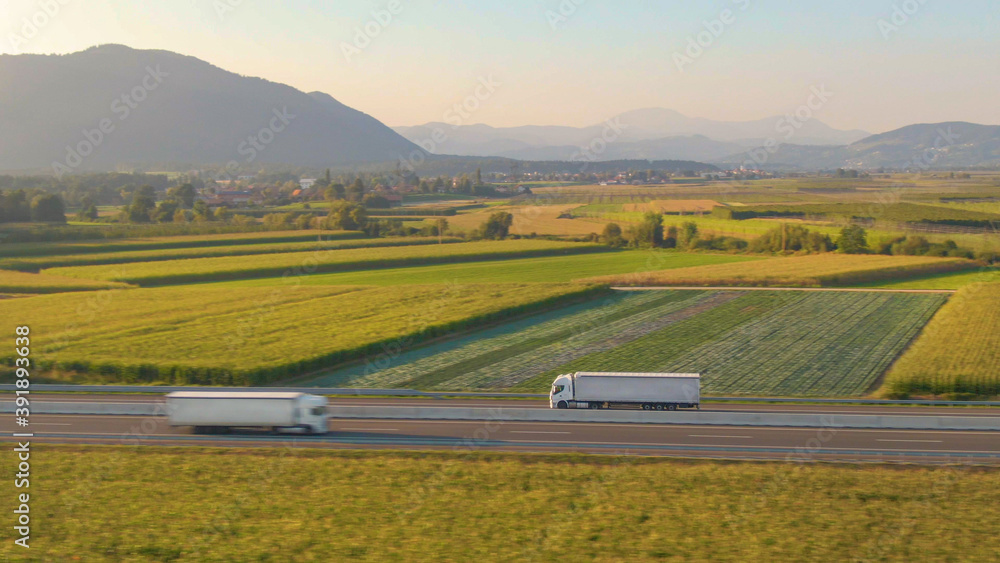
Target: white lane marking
(51, 424)
(660, 425)
(537, 432)
(716, 436)
(915, 441)
(368, 429)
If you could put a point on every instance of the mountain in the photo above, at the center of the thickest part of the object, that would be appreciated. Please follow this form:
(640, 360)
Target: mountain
(655, 133)
(953, 144)
(162, 107)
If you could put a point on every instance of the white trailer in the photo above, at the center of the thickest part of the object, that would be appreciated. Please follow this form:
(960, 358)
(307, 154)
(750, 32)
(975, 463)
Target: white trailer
(215, 411)
(605, 390)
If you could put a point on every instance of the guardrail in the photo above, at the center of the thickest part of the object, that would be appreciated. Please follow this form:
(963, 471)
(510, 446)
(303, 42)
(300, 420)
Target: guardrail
(348, 391)
(508, 414)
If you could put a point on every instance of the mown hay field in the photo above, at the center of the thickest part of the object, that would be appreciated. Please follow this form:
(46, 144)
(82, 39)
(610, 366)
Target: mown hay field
(319, 261)
(295, 504)
(319, 243)
(195, 335)
(528, 219)
(958, 351)
(817, 270)
(21, 282)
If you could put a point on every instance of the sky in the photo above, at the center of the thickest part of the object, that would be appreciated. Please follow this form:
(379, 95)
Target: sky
(884, 63)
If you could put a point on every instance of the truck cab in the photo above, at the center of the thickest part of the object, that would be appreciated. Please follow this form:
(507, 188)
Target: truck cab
(561, 395)
(313, 414)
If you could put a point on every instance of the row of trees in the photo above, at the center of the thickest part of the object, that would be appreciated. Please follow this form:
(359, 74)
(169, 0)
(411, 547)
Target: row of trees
(650, 233)
(16, 207)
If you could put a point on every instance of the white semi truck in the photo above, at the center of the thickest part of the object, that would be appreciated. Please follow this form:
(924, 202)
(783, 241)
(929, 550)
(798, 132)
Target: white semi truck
(215, 411)
(605, 390)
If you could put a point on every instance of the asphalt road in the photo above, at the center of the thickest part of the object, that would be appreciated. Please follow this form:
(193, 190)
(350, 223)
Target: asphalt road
(729, 442)
(529, 403)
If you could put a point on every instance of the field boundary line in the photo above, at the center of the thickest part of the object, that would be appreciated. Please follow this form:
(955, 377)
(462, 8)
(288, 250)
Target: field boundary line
(745, 288)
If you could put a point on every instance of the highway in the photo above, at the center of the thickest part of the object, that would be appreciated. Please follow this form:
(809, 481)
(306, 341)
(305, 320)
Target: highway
(542, 404)
(723, 442)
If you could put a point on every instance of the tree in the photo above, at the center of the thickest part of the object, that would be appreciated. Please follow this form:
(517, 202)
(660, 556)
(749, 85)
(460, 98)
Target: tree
(852, 240)
(375, 201)
(88, 214)
(346, 215)
(670, 239)
(648, 233)
(223, 214)
(202, 212)
(688, 235)
(185, 194)
(334, 192)
(15, 207)
(142, 204)
(497, 227)
(48, 208)
(356, 190)
(612, 235)
(165, 211)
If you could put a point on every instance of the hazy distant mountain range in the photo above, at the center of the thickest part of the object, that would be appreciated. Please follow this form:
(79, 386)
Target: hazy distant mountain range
(161, 107)
(654, 133)
(113, 107)
(914, 147)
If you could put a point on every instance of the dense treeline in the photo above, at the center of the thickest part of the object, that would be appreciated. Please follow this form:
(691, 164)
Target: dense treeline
(902, 212)
(110, 188)
(783, 239)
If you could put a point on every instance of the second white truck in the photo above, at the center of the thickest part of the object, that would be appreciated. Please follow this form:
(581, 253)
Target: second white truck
(605, 390)
(219, 411)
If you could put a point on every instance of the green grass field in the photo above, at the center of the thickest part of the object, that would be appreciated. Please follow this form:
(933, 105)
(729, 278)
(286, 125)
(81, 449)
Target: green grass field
(257, 335)
(321, 261)
(522, 270)
(958, 351)
(95, 503)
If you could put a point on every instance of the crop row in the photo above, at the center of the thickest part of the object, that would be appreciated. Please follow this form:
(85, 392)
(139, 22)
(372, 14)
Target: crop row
(25, 249)
(816, 270)
(440, 364)
(790, 344)
(959, 350)
(322, 260)
(833, 344)
(258, 335)
(34, 264)
(514, 370)
(21, 282)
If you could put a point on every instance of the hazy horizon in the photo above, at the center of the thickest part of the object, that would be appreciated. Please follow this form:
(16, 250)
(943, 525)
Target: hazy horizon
(569, 62)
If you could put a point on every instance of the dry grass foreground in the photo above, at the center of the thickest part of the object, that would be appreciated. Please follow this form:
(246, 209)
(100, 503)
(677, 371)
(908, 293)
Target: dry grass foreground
(817, 270)
(959, 350)
(93, 503)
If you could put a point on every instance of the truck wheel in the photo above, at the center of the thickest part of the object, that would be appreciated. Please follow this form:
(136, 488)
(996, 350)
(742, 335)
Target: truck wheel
(562, 405)
(671, 407)
(659, 406)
